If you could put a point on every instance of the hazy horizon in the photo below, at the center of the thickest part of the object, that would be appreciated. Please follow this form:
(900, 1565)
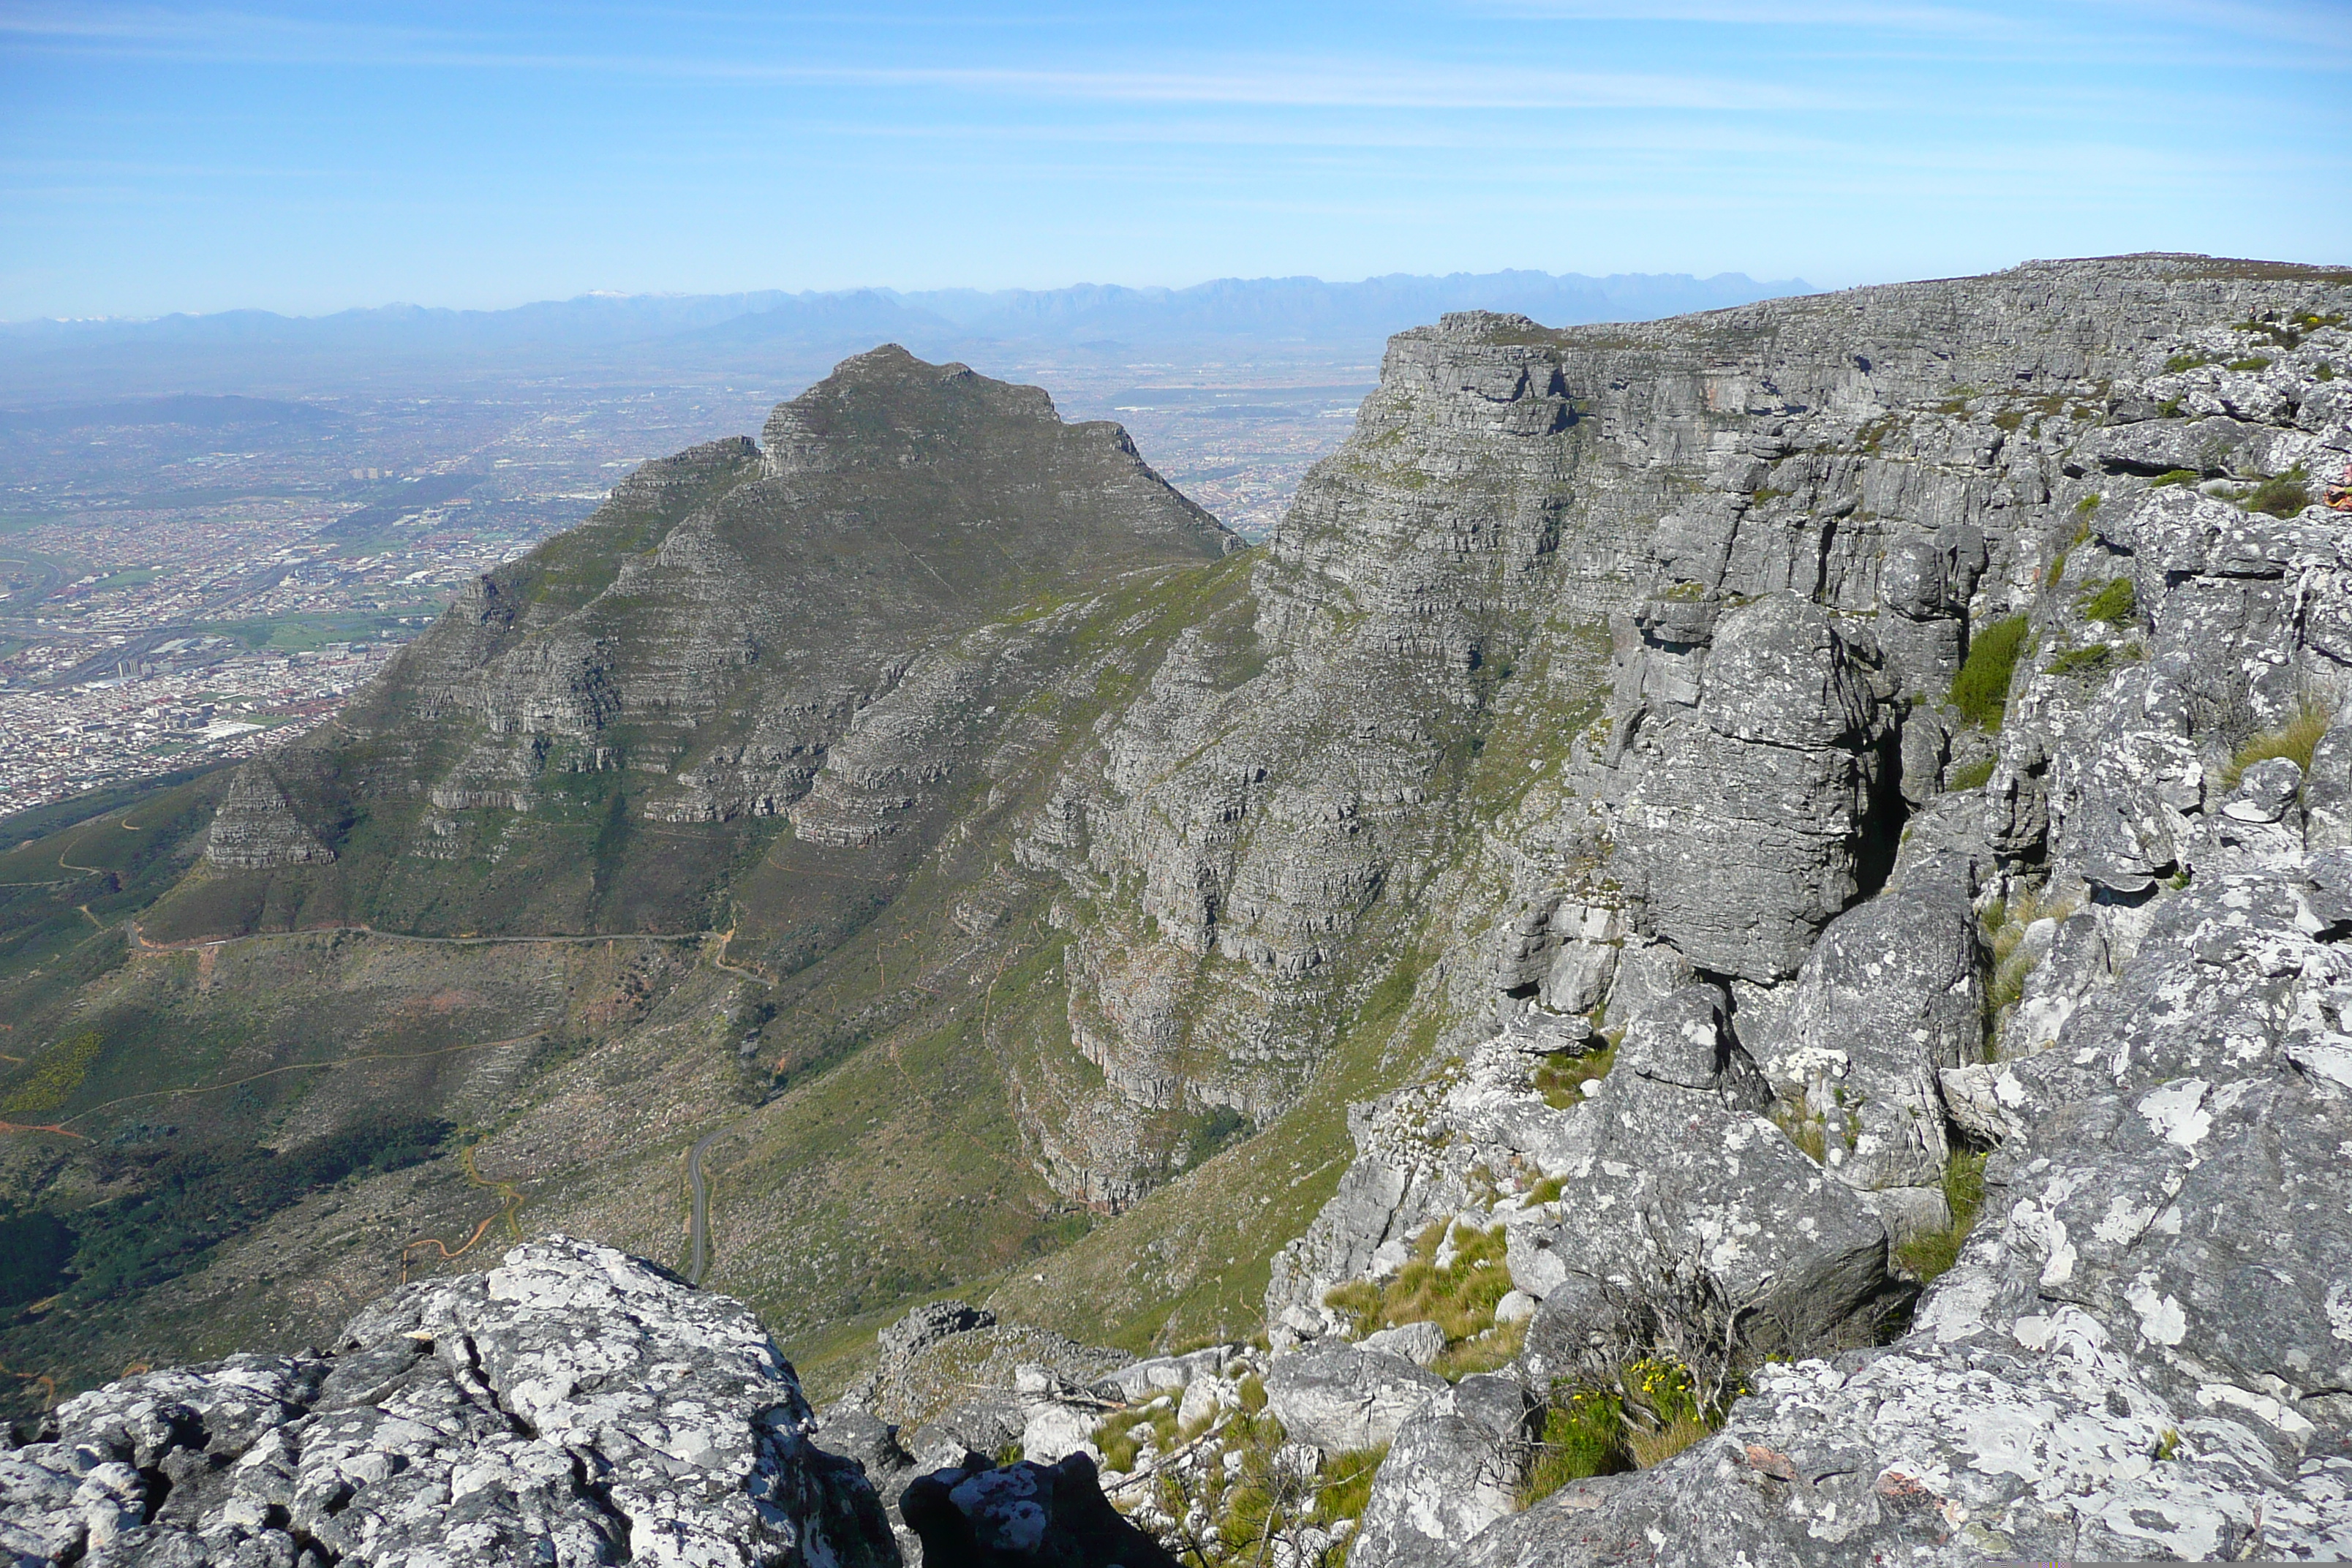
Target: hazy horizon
(304, 159)
(1793, 285)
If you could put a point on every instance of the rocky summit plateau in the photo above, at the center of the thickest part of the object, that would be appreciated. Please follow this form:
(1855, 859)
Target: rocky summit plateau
(1734, 945)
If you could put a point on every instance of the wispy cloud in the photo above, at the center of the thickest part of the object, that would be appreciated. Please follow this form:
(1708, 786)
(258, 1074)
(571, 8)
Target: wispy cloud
(1761, 13)
(2222, 34)
(1300, 82)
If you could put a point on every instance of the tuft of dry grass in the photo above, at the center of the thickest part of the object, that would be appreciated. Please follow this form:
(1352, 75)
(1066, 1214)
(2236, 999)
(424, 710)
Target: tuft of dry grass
(1656, 1447)
(2005, 926)
(1497, 1347)
(1562, 1079)
(2295, 740)
(1459, 1295)
(1807, 1131)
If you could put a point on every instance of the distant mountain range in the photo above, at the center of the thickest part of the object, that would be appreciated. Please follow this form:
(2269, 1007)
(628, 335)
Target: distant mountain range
(45, 359)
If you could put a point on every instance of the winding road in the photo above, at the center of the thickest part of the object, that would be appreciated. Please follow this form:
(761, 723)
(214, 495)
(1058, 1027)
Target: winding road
(701, 1212)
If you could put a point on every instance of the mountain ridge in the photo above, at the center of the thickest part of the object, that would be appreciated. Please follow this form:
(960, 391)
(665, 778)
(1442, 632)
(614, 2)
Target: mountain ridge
(1551, 785)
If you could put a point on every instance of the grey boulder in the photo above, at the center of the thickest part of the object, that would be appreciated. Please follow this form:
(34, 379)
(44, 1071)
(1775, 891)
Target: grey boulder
(1339, 1397)
(1454, 1469)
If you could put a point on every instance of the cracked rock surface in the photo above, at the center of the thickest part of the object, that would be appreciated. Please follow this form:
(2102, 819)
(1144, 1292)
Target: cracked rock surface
(573, 1405)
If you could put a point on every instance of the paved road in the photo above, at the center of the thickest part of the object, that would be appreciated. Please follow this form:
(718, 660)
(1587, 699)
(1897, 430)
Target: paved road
(701, 1220)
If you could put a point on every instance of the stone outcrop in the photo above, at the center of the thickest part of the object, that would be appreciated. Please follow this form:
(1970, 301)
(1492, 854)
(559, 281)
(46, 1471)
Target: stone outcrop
(1453, 1468)
(1891, 995)
(571, 1405)
(257, 827)
(1339, 1397)
(2143, 1350)
(1747, 788)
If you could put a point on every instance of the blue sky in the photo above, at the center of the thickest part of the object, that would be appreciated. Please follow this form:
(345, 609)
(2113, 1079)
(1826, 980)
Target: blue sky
(307, 158)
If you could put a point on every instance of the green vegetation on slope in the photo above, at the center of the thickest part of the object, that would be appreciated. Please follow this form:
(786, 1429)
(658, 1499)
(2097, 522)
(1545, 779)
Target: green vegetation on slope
(1981, 691)
(2117, 604)
(188, 1201)
(1931, 1254)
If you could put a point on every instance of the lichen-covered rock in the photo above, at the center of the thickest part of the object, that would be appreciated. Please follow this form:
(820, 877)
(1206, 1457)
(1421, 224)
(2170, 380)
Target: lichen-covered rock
(2143, 1349)
(1893, 993)
(1655, 1178)
(1666, 1162)
(1420, 1342)
(573, 1405)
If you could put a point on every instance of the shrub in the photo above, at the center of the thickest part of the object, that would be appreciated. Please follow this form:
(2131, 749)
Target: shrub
(2087, 660)
(2251, 362)
(2296, 738)
(34, 1248)
(56, 1076)
(1638, 1413)
(1348, 1484)
(2118, 604)
(1244, 1501)
(2088, 506)
(1127, 1433)
(184, 1204)
(1981, 690)
(2175, 477)
(1583, 1437)
(2179, 363)
(1933, 1254)
(1357, 1301)
(1970, 775)
(2282, 496)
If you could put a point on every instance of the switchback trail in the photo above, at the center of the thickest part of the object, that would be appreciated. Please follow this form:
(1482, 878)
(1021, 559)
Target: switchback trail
(272, 1072)
(139, 939)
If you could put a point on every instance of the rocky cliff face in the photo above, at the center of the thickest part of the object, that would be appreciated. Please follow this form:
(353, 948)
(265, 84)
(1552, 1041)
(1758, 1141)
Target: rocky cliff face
(1840, 937)
(1745, 550)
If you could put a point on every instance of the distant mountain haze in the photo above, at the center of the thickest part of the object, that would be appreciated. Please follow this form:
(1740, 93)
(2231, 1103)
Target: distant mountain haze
(48, 361)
